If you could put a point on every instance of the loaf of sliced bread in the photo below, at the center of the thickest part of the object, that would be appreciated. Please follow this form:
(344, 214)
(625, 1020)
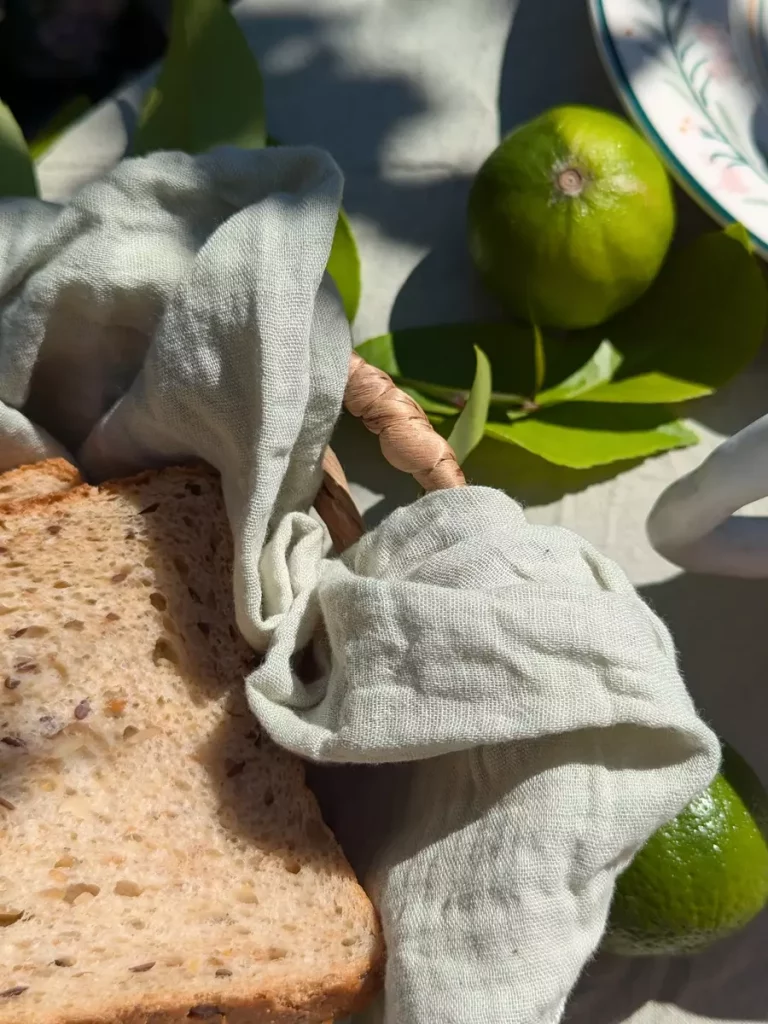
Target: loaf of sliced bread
(160, 859)
(36, 480)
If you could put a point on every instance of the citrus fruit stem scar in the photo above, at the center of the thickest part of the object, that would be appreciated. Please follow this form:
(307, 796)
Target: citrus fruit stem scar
(570, 181)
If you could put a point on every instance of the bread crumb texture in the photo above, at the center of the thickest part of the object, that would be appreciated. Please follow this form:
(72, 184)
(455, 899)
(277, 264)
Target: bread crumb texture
(160, 859)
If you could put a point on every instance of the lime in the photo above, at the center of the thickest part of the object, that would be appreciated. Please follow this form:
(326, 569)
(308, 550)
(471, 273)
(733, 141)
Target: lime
(702, 876)
(570, 217)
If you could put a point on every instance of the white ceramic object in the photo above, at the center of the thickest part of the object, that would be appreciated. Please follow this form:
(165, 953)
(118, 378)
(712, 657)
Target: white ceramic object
(693, 74)
(694, 524)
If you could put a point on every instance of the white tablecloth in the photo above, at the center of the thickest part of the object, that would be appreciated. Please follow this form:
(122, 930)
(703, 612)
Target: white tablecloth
(410, 96)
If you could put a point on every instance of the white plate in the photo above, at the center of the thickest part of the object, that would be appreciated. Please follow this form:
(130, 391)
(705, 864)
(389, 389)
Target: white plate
(694, 76)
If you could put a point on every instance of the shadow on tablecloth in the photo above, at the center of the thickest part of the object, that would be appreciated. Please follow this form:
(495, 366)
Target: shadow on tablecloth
(726, 983)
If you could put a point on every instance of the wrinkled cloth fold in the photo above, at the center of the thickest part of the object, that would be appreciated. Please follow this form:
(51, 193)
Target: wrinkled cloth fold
(507, 711)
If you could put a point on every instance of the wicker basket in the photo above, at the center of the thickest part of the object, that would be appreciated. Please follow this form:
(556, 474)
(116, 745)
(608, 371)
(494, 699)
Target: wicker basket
(408, 442)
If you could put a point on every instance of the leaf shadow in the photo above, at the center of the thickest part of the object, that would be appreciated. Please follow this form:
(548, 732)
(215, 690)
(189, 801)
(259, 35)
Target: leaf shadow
(353, 113)
(563, 67)
(423, 298)
(739, 403)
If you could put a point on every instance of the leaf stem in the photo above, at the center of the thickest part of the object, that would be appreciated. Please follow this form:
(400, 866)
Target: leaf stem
(458, 396)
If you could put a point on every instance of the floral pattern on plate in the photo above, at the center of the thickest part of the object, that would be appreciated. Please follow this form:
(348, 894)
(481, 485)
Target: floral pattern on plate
(694, 75)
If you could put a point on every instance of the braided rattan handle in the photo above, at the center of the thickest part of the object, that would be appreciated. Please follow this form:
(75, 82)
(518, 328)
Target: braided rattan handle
(408, 442)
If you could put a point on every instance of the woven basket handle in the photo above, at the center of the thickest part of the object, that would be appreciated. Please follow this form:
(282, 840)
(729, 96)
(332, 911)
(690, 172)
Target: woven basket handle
(408, 442)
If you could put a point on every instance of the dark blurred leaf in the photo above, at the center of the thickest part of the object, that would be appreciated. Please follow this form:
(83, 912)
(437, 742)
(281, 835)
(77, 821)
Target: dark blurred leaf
(209, 91)
(467, 432)
(17, 172)
(700, 323)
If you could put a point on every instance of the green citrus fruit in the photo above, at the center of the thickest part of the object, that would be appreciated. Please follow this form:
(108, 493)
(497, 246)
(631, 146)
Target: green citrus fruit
(570, 217)
(702, 876)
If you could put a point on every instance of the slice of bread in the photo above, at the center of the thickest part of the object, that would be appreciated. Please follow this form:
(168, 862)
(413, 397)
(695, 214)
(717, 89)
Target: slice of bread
(36, 480)
(160, 859)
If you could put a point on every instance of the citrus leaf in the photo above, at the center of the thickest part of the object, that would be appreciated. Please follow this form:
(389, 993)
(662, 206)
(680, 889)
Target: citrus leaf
(380, 352)
(598, 369)
(468, 429)
(209, 91)
(581, 435)
(443, 356)
(344, 266)
(698, 325)
(539, 360)
(645, 388)
(17, 172)
(58, 124)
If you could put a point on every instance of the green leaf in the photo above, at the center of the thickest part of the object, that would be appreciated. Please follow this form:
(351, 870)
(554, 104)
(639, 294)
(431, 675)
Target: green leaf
(344, 266)
(598, 369)
(582, 435)
(444, 356)
(645, 388)
(17, 172)
(698, 325)
(58, 124)
(380, 352)
(209, 91)
(468, 429)
(539, 360)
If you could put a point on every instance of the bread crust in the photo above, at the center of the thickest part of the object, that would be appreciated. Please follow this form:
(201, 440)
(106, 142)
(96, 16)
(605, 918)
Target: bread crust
(340, 994)
(36, 479)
